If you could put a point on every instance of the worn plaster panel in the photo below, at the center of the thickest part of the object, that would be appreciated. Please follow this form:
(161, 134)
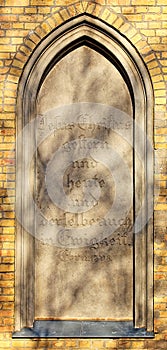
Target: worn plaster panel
(95, 281)
(84, 75)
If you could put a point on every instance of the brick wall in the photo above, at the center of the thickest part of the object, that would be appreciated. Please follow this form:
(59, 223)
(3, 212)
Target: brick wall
(23, 23)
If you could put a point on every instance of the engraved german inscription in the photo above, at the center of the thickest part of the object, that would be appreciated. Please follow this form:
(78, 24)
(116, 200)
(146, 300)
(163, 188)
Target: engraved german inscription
(84, 191)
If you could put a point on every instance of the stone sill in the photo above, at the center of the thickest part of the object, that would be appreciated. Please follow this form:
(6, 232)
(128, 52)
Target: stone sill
(83, 329)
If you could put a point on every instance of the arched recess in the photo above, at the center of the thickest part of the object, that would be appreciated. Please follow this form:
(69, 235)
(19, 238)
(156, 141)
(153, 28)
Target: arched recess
(86, 31)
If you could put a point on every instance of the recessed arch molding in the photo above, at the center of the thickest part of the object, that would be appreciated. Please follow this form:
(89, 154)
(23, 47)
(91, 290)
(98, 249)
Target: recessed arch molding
(87, 30)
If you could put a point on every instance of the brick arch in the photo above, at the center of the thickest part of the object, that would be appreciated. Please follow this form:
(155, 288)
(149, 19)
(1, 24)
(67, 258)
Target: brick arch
(114, 46)
(104, 13)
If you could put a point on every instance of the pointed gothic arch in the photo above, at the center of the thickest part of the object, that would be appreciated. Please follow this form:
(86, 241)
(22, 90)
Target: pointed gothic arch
(91, 32)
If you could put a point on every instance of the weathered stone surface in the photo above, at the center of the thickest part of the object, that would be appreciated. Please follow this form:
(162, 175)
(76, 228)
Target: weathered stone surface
(78, 280)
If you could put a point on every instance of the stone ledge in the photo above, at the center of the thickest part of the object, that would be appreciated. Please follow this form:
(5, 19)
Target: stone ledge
(83, 329)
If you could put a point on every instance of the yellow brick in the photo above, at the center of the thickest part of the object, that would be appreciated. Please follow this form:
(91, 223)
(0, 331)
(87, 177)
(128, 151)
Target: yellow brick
(141, 25)
(137, 344)
(9, 215)
(90, 8)
(155, 71)
(163, 62)
(111, 344)
(98, 343)
(5, 40)
(160, 93)
(148, 32)
(7, 253)
(31, 18)
(17, 10)
(163, 314)
(141, 9)
(44, 10)
(7, 116)
(7, 223)
(164, 9)
(8, 18)
(31, 10)
(30, 26)
(160, 299)
(136, 38)
(64, 2)
(9, 101)
(111, 18)
(164, 40)
(7, 48)
(6, 146)
(152, 64)
(6, 268)
(160, 100)
(51, 22)
(161, 32)
(119, 21)
(106, 13)
(8, 321)
(156, 10)
(4, 70)
(17, 40)
(145, 50)
(17, 3)
(143, 2)
(120, 2)
(85, 4)
(44, 344)
(64, 14)
(135, 18)
(70, 343)
(11, 93)
(9, 169)
(11, 192)
(154, 25)
(154, 40)
(5, 344)
(30, 44)
(8, 291)
(18, 25)
(17, 63)
(26, 50)
(150, 17)
(124, 28)
(57, 18)
(127, 10)
(41, 2)
(18, 343)
(150, 57)
(160, 139)
(58, 343)
(21, 57)
(160, 146)
(141, 44)
(161, 2)
(131, 32)
(161, 267)
(79, 8)
(16, 32)
(156, 78)
(4, 55)
(84, 343)
(160, 276)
